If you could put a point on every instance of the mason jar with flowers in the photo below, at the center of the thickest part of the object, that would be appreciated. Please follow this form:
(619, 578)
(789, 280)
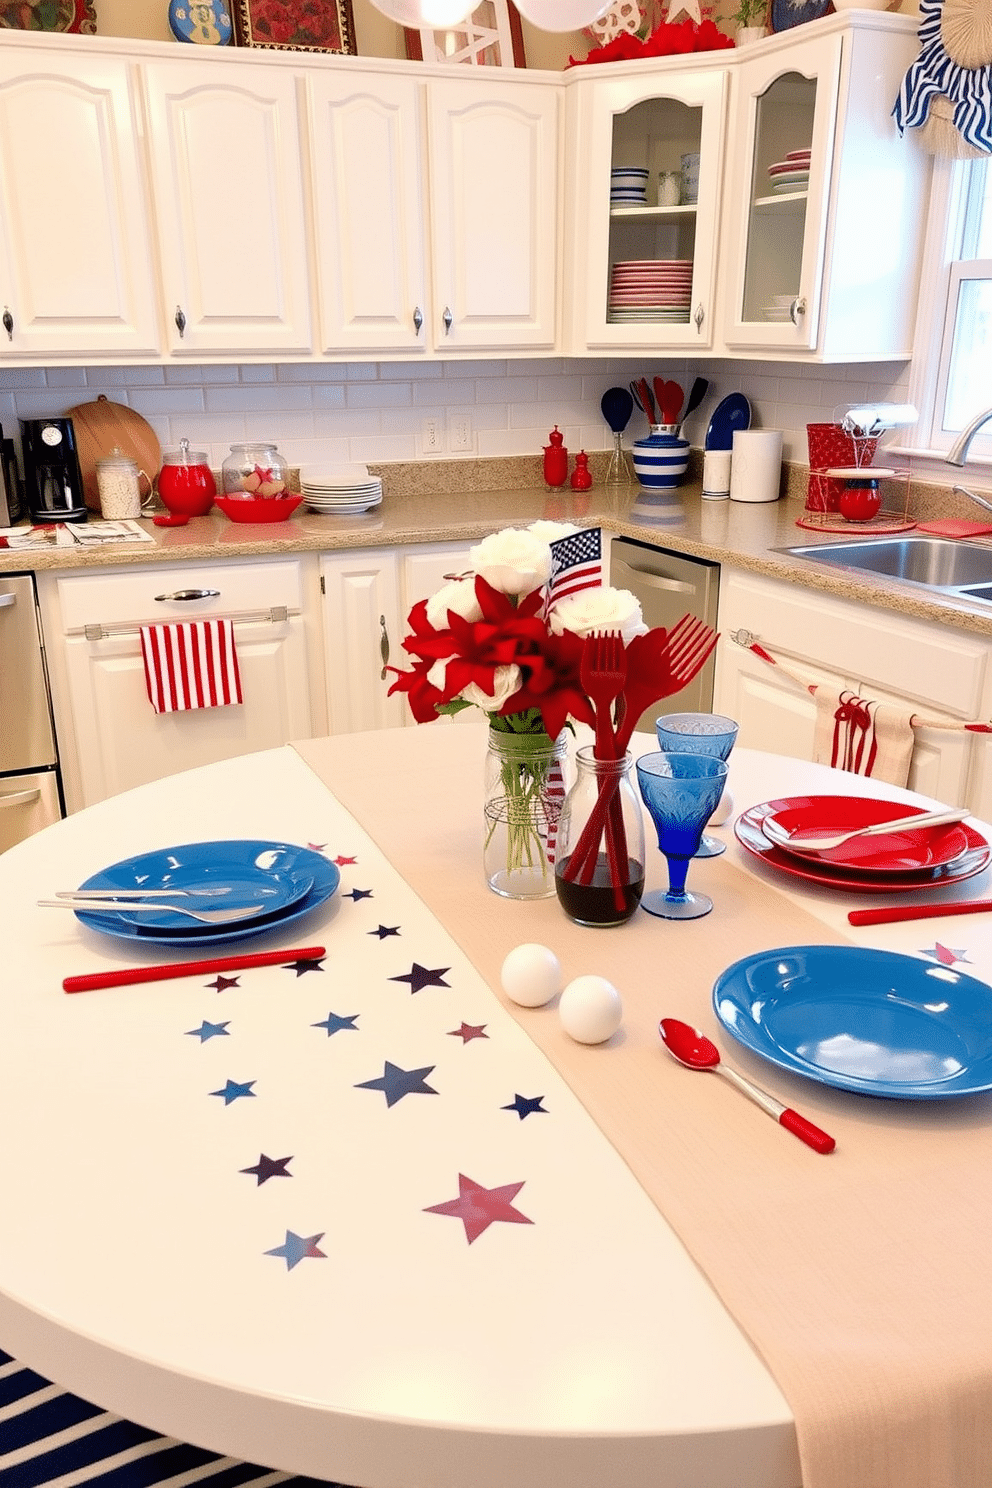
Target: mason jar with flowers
(511, 637)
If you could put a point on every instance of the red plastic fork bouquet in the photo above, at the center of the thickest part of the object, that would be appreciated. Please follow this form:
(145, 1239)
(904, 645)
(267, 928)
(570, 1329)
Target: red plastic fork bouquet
(515, 637)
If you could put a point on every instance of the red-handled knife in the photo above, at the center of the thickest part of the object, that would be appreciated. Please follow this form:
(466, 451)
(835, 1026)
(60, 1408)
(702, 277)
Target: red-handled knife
(896, 912)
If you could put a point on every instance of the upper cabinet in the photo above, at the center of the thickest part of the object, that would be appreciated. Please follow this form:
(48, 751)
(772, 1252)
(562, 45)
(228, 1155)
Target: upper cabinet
(227, 172)
(823, 220)
(494, 210)
(76, 259)
(644, 270)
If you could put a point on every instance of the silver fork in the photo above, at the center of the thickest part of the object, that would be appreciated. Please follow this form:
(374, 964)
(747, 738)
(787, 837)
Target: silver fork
(205, 916)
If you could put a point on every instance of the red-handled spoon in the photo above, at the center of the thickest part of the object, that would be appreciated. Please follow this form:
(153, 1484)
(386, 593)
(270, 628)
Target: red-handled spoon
(696, 1051)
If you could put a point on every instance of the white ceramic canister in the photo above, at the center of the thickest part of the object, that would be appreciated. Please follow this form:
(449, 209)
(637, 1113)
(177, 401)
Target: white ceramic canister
(716, 474)
(756, 472)
(118, 481)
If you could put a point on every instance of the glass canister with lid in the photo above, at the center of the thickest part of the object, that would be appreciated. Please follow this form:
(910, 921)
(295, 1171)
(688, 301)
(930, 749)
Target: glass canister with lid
(186, 483)
(254, 471)
(118, 481)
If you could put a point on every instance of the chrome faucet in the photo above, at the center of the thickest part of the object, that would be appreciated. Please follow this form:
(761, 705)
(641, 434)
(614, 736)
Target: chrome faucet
(958, 453)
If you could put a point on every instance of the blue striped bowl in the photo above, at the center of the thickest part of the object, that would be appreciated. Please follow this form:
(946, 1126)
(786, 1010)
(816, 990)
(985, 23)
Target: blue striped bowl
(660, 461)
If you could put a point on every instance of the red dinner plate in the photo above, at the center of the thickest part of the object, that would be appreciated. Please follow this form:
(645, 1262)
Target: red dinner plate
(747, 830)
(894, 852)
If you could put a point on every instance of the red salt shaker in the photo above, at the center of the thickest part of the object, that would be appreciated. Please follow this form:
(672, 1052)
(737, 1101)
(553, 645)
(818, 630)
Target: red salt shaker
(555, 460)
(581, 475)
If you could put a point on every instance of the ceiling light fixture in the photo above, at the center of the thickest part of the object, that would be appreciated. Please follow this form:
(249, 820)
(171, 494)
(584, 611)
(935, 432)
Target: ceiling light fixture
(562, 15)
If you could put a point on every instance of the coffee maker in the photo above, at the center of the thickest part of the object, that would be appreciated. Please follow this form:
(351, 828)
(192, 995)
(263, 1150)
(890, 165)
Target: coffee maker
(53, 484)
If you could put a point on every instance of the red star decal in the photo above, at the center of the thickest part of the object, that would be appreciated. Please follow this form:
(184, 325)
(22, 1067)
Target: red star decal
(468, 1031)
(479, 1207)
(316, 846)
(947, 955)
(343, 862)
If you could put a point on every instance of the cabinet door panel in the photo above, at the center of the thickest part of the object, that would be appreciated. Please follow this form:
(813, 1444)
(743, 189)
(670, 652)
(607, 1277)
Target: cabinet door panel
(362, 631)
(225, 147)
(119, 740)
(494, 199)
(75, 255)
(369, 212)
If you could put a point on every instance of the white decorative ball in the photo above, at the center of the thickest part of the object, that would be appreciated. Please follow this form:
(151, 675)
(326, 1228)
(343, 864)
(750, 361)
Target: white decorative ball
(531, 975)
(590, 1009)
(724, 810)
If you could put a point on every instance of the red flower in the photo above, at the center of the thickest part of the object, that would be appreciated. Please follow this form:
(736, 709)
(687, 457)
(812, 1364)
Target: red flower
(670, 39)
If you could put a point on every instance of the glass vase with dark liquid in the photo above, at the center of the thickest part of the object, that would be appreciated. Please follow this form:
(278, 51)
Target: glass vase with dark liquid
(601, 832)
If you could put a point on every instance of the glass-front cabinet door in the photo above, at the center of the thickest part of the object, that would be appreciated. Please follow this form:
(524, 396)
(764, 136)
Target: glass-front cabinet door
(647, 170)
(782, 143)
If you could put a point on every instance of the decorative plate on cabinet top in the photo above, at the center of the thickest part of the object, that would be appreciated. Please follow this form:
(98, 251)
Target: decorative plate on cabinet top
(208, 24)
(784, 14)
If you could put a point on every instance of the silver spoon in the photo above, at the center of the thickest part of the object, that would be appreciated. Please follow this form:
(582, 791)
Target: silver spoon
(820, 842)
(205, 916)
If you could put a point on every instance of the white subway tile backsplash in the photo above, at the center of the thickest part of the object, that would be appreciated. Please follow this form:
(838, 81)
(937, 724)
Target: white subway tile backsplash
(61, 377)
(255, 400)
(184, 372)
(166, 401)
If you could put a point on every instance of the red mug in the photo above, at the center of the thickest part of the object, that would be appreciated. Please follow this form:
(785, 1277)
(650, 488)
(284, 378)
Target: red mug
(860, 501)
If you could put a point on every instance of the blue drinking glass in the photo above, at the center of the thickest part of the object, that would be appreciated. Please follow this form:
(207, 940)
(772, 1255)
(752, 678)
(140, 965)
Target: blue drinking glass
(698, 733)
(681, 791)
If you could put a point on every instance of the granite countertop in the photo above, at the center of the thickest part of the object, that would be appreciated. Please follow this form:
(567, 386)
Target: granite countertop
(451, 500)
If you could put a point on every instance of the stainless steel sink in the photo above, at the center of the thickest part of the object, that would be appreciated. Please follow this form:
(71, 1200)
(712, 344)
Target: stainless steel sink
(960, 569)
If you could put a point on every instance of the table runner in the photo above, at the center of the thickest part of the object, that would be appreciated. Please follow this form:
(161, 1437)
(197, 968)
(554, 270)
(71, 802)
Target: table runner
(862, 1278)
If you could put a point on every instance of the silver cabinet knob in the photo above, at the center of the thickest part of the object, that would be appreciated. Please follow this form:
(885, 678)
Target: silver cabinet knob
(383, 646)
(699, 315)
(8, 322)
(418, 319)
(797, 308)
(448, 319)
(180, 322)
(187, 594)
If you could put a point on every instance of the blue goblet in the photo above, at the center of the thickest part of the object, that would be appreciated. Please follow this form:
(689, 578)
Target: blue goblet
(698, 733)
(681, 792)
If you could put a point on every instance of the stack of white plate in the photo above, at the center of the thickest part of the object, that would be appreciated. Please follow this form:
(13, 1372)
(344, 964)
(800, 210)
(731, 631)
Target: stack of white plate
(790, 174)
(658, 289)
(340, 490)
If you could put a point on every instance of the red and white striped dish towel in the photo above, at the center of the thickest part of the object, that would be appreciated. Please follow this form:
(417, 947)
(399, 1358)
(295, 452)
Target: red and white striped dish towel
(191, 664)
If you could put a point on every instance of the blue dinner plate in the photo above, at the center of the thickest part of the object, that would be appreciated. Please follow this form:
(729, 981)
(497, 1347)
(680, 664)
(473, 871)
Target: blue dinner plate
(734, 412)
(862, 1020)
(299, 879)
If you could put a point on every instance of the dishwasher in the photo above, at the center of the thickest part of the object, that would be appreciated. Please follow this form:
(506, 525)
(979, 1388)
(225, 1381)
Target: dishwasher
(30, 785)
(668, 586)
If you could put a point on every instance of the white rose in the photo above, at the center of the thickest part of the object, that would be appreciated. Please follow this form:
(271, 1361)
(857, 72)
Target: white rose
(599, 609)
(513, 561)
(506, 681)
(550, 532)
(459, 596)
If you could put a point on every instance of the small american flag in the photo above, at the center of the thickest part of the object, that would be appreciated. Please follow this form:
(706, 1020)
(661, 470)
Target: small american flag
(576, 564)
(553, 799)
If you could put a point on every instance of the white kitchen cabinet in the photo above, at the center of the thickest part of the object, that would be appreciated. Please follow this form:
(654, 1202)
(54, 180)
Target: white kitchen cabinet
(225, 148)
(110, 737)
(649, 119)
(494, 212)
(76, 261)
(369, 184)
(911, 664)
(826, 268)
(368, 595)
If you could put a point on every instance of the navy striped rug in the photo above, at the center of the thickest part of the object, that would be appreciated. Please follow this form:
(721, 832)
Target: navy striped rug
(51, 1439)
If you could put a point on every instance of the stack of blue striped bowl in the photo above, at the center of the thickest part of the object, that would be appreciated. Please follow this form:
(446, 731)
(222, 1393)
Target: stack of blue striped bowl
(629, 186)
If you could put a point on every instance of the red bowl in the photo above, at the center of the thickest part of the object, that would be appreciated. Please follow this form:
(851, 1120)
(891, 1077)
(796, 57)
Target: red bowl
(271, 509)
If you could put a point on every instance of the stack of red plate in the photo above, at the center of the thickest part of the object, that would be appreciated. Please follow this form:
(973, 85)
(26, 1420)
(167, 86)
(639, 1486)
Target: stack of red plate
(650, 289)
(790, 174)
(895, 863)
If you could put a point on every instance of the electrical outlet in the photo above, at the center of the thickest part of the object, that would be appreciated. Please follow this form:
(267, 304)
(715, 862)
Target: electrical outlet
(431, 442)
(461, 432)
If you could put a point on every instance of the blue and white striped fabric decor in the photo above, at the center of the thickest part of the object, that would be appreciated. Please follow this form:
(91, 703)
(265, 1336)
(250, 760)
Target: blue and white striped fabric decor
(51, 1439)
(934, 75)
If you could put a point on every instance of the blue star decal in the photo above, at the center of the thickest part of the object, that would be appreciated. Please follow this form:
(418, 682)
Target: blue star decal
(334, 1024)
(269, 1167)
(305, 964)
(297, 1248)
(208, 1031)
(526, 1106)
(384, 930)
(232, 1091)
(423, 976)
(357, 894)
(395, 1083)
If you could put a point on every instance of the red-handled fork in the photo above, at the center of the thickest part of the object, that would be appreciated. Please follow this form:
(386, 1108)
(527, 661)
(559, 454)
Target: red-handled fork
(603, 671)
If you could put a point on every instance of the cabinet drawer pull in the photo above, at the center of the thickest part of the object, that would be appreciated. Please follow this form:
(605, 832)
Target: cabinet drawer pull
(180, 322)
(185, 594)
(6, 600)
(383, 646)
(19, 798)
(698, 317)
(797, 308)
(448, 319)
(418, 318)
(8, 322)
